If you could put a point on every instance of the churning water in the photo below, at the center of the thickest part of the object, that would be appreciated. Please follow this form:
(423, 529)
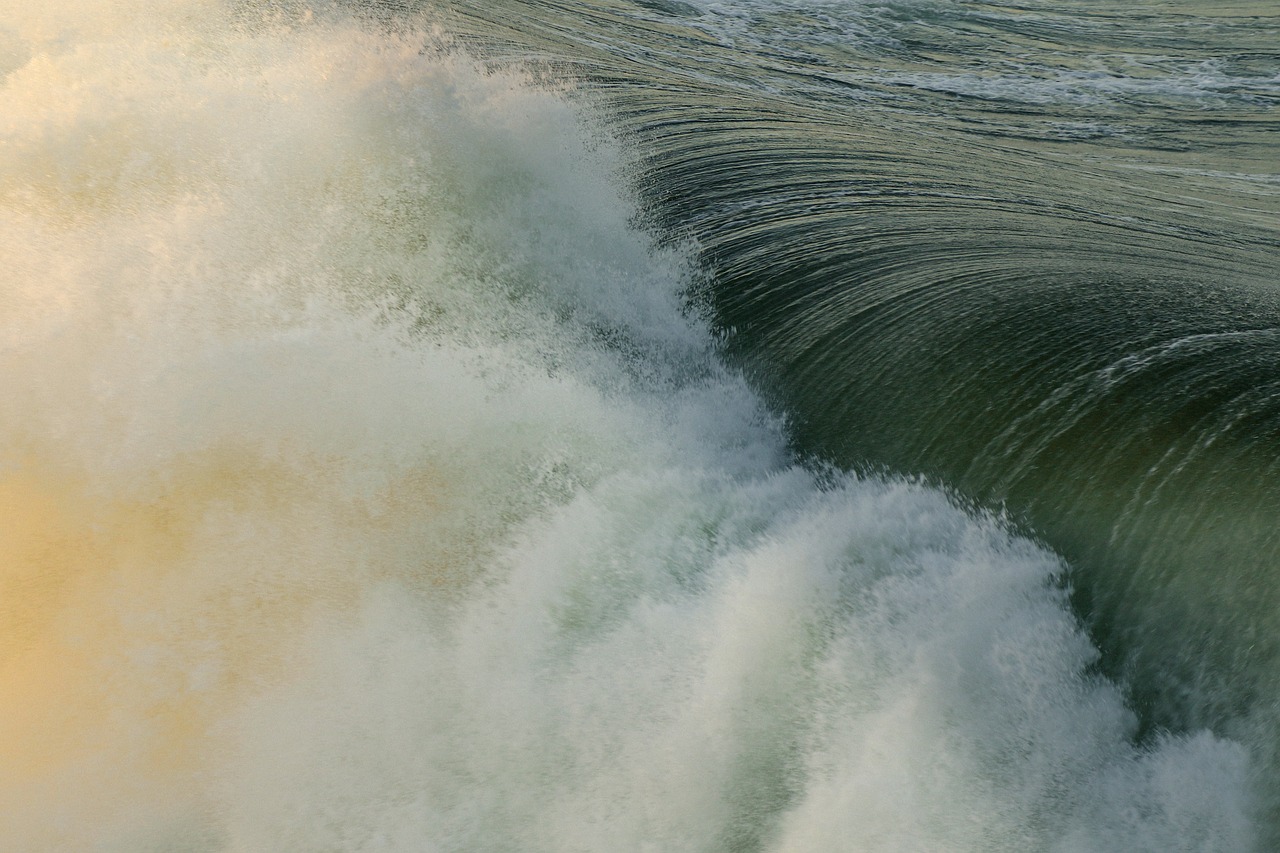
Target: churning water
(743, 426)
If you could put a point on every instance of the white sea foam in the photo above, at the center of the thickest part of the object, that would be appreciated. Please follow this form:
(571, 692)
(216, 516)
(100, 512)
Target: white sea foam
(365, 486)
(1039, 73)
(1204, 85)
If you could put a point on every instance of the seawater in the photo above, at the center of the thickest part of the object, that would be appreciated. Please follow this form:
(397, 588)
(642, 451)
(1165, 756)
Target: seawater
(369, 480)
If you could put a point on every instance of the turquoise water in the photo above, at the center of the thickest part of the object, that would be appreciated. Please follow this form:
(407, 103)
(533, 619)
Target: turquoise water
(637, 426)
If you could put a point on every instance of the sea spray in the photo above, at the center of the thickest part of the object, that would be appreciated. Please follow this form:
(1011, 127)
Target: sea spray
(367, 486)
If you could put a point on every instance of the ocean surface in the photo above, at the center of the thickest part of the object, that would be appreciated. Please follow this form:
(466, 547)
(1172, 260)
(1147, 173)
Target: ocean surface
(640, 425)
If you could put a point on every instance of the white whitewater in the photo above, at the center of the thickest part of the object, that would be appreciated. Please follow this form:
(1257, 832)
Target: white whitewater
(365, 485)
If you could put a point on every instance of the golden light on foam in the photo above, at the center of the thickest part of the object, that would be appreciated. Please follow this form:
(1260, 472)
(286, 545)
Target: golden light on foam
(129, 627)
(45, 548)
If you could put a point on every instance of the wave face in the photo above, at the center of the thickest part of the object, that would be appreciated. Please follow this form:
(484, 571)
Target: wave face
(545, 427)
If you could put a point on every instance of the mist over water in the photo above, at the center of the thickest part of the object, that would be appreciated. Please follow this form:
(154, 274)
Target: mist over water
(368, 482)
